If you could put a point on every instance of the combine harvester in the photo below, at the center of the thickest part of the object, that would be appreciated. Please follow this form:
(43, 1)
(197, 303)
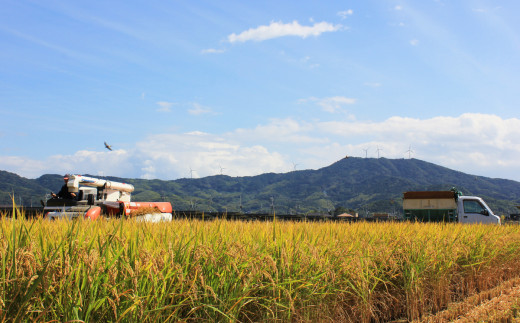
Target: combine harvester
(96, 197)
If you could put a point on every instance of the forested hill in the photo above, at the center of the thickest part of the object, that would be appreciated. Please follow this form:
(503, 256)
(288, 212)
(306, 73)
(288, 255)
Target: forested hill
(362, 184)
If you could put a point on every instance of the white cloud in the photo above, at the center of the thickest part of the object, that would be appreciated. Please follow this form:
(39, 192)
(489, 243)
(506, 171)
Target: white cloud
(344, 14)
(164, 106)
(482, 144)
(414, 42)
(197, 133)
(398, 8)
(279, 29)
(173, 155)
(331, 104)
(212, 51)
(279, 131)
(198, 109)
(470, 141)
(307, 62)
(24, 167)
(115, 162)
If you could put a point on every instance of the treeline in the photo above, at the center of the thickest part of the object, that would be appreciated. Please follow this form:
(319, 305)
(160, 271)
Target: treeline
(363, 185)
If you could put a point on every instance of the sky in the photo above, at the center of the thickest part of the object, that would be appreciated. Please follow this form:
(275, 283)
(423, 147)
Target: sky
(184, 89)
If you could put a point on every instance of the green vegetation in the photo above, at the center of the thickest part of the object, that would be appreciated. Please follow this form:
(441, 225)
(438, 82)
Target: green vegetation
(25, 190)
(362, 184)
(127, 271)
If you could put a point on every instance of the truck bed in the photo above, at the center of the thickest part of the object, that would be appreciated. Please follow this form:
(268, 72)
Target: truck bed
(430, 206)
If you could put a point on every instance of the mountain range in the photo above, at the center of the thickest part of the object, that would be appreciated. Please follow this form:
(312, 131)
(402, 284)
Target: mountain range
(362, 185)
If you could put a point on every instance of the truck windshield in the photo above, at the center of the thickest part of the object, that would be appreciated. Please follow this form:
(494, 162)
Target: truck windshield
(472, 206)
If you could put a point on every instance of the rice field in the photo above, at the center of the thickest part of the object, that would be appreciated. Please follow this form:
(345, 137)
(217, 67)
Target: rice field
(190, 270)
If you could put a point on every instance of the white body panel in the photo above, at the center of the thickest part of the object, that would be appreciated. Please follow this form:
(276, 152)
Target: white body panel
(155, 217)
(111, 191)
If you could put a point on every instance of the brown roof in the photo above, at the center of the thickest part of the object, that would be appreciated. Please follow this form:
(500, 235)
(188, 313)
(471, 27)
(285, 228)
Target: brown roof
(346, 215)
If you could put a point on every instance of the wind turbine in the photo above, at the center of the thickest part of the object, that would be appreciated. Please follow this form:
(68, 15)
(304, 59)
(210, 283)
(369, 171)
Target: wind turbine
(221, 168)
(366, 152)
(378, 149)
(294, 166)
(410, 151)
(191, 173)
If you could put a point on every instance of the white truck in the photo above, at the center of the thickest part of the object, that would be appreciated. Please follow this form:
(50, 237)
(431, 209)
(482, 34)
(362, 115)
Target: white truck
(446, 206)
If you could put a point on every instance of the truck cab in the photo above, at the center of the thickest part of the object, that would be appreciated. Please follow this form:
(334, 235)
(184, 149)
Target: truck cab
(473, 209)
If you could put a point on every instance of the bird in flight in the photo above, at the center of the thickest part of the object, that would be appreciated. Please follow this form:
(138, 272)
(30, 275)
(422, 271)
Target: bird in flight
(107, 146)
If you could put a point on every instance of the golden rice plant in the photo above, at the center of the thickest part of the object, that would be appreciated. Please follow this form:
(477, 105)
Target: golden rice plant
(125, 271)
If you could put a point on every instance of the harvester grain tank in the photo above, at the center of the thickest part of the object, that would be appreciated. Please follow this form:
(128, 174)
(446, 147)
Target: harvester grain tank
(446, 206)
(96, 196)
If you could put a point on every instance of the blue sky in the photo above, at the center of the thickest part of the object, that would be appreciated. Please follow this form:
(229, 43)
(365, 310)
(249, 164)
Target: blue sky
(193, 88)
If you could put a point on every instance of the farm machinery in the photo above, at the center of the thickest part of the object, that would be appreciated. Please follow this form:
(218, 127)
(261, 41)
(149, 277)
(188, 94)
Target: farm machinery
(446, 206)
(91, 198)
